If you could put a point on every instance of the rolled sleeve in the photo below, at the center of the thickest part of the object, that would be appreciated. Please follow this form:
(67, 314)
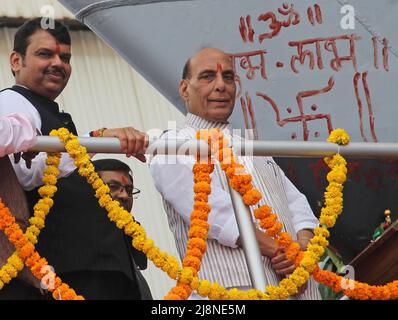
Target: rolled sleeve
(175, 183)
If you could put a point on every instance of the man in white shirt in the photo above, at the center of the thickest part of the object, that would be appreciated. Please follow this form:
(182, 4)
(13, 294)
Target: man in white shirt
(40, 62)
(208, 89)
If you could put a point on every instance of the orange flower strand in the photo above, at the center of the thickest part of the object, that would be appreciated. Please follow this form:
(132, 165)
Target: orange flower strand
(198, 230)
(28, 253)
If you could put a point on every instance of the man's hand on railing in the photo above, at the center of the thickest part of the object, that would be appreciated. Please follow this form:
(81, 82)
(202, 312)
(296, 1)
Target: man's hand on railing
(133, 142)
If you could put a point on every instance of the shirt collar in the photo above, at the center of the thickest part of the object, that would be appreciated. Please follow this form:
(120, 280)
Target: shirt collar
(197, 122)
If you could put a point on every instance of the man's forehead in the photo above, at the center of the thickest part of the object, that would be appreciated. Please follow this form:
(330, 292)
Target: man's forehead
(119, 176)
(44, 39)
(211, 60)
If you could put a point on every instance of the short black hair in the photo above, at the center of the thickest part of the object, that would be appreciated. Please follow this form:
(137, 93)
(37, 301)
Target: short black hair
(112, 165)
(186, 72)
(21, 39)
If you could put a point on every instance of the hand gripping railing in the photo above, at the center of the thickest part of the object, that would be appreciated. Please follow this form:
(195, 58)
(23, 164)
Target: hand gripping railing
(252, 148)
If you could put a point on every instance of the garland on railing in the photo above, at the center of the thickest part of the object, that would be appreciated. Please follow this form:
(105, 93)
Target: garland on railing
(187, 279)
(124, 220)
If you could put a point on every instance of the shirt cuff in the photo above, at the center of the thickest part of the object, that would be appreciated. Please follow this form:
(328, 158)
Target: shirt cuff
(305, 225)
(229, 233)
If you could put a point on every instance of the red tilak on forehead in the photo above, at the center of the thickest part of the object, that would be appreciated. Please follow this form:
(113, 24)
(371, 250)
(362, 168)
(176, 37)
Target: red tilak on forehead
(57, 48)
(219, 67)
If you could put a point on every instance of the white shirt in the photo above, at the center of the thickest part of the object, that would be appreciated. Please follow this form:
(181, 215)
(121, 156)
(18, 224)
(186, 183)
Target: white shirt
(223, 226)
(17, 133)
(12, 102)
(224, 262)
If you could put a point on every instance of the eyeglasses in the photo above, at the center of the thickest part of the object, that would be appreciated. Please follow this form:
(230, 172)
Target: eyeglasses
(118, 188)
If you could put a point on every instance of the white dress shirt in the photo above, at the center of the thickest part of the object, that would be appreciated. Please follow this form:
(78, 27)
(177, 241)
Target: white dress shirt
(17, 133)
(224, 262)
(12, 102)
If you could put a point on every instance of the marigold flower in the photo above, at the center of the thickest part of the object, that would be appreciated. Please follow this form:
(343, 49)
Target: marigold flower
(195, 252)
(234, 170)
(196, 214)
(16, 261)
(148, 245)
(262, 212)
(187, 275)
(322, 232)
(268, 222)
(206, 168)
(284, 240)
(336, 176)
(328, 221)
(339, 136)
(289, 286)
(47, 191)
(252, 197)
(202, 177)
(292, 251)
(192, 262)
(197, 232)
(200, 223)
(275, 229)
(53, 161)
(204, 288)
(196, 243)
(49, 179)
(202, 187)
(202, 206)
(201, 197)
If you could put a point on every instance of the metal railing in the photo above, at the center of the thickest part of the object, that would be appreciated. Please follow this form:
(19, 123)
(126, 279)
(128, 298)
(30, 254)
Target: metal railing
(309, 149)
(250, 148)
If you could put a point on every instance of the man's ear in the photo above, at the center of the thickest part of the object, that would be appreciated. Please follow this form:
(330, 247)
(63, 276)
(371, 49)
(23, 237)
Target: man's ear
(16, 62)
(183, 89)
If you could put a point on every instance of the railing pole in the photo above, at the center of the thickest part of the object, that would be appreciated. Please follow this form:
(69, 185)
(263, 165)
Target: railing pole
(308, 149)
(249, 242)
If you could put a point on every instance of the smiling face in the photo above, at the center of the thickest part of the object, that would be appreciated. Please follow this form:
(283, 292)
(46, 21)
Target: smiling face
(209, 90)
(45, 68)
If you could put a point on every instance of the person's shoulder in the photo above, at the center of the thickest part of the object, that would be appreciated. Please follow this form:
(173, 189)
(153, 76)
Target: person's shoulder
(12, 102)
(11, 96)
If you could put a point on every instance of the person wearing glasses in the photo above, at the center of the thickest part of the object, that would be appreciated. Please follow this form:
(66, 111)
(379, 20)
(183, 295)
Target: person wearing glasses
(119, 178)
(101, 269)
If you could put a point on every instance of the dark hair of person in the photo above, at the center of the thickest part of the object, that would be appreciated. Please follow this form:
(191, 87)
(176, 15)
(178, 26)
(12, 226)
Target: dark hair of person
(186, 72)
(112, 165)
(22, 36)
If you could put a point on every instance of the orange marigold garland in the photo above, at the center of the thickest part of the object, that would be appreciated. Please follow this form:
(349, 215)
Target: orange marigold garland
(26, 251)
(124, 220)
(198, 231)
(307, 261)
(14, 263)
(187, 277)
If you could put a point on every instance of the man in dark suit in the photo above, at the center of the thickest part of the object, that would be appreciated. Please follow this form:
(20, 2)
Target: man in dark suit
(79, 240)
(118, 176)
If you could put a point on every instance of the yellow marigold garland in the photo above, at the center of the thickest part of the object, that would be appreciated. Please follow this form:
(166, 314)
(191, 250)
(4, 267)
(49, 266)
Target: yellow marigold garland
(123, 219)
(28, 255)
(308, 260)
(14, 263)
(186, 277)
